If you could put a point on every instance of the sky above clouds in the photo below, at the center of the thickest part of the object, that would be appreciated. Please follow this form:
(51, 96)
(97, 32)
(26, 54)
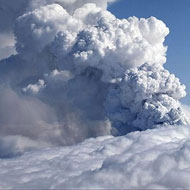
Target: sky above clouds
(176, 15)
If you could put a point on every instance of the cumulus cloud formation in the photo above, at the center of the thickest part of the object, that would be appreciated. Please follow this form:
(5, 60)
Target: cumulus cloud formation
(152, 159)
(80, 72)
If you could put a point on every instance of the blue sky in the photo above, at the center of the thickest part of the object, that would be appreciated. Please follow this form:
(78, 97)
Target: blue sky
(176, 15)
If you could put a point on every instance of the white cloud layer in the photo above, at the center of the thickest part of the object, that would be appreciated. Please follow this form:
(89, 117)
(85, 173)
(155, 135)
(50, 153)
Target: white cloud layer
(153, 159)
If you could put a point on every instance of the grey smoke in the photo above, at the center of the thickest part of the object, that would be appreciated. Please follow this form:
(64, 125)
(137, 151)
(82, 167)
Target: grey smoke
(80, 72)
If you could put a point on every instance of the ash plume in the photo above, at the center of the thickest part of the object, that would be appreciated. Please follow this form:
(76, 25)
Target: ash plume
(80, 72)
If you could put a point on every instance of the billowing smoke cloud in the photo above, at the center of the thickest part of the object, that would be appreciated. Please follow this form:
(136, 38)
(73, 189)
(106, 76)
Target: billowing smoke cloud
(7, 45)
(11, 10)
(146, 97)
(80, 72)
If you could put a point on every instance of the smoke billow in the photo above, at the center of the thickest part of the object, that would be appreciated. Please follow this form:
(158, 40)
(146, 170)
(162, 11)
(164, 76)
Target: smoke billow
(80, 72)
(146, 97)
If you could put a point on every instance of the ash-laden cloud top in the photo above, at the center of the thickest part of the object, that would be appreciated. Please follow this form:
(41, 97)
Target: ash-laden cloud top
(10, 10)
(80, 72)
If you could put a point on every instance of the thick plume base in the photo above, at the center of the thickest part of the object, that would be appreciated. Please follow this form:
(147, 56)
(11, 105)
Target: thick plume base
(146, 97)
